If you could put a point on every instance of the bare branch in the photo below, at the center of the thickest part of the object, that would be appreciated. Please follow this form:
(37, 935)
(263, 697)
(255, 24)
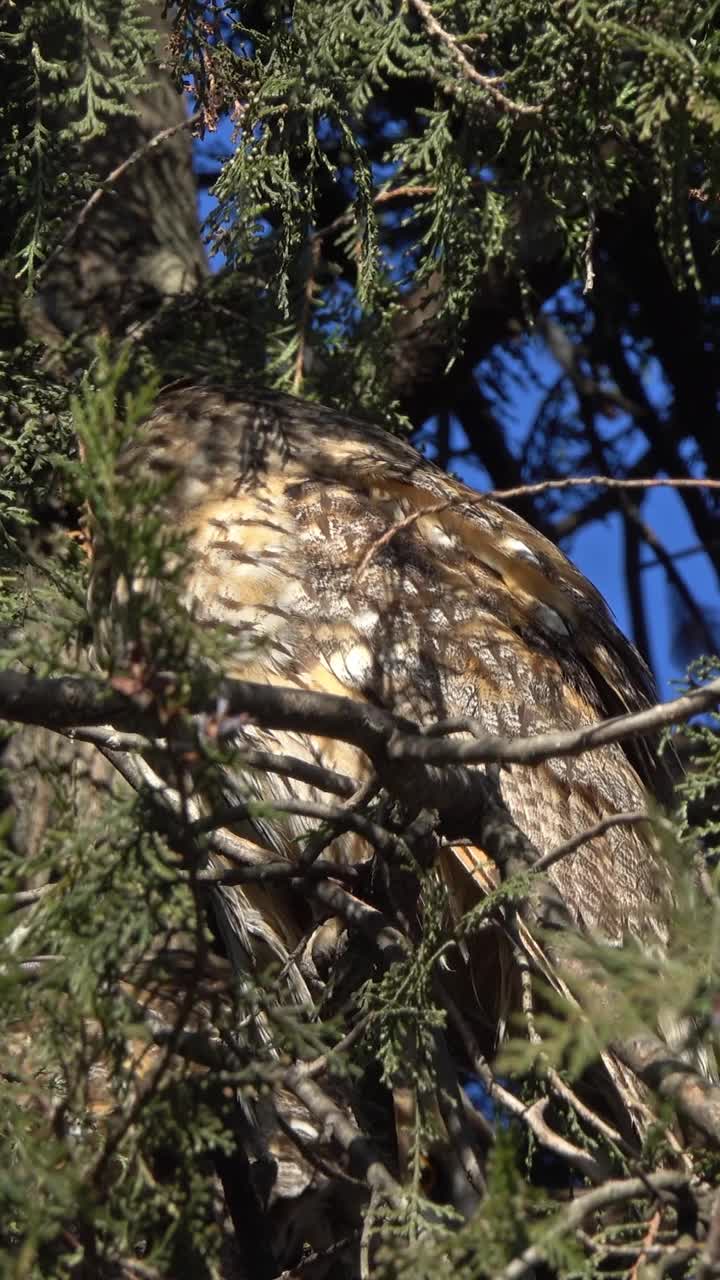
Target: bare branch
(113, 177)
(568, 1221)
(695, 1098)
(66, 701)
(285, 766)
(564, 850)
(493, 748)
(601, 482)
(276, 873)
(352, 1140)
(335, 815)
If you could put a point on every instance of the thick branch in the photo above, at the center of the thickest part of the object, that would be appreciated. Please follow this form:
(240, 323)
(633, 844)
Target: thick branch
(67, 701)
(694, 1098)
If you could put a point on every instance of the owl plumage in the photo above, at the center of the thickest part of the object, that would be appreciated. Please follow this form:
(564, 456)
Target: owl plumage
(344, 562)
(336, 559)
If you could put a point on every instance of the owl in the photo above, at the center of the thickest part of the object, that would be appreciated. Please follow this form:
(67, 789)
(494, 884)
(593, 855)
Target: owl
(338, 560)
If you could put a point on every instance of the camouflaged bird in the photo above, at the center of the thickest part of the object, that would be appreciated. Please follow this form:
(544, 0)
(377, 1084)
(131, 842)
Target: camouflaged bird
(344, 562)
(340, 561)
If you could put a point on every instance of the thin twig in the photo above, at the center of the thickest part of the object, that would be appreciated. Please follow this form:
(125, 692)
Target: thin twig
(318, 1066)
(533, 1116)
(673, 575)
(589, 252)
(696, 549)
(454, 48)
(525, 491)
(319, 840)
(494, 748)
(405, 192)
(569, 847)
(24, 897)
(335, 815)
(113, 177)
(386, 537)
(553, 1077)
(648, 1241)
(567, 1095)
(286, 766)
(309, 1261)
(603, 482)
(568, 1221)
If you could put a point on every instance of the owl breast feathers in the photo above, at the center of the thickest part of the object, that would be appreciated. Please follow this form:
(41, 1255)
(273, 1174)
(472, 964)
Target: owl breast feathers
(344, 562)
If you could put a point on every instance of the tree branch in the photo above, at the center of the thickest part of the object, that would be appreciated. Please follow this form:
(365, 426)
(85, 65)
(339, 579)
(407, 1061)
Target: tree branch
(112, 178)
(493, 748)
(488, 83)
(65, 702)
(568, 1221)
(568, 847)
(694, 1098)
(602, 482)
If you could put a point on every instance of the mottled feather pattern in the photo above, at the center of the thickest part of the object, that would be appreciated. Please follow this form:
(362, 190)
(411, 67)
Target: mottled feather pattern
(344, 562)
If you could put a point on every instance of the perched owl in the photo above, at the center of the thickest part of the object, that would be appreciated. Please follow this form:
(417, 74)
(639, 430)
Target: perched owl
(309, 543)
(342, 561)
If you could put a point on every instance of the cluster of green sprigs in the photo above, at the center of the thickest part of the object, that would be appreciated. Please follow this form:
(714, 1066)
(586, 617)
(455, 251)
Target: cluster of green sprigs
(480, 123)
(652, 988)
(512, 1215)
(402, 1005)
(105, 1139)
(141, 625)
(43, 574)
(73, 65)
(699, 788)
(35, 431)
(193, 333)
(80, 1144)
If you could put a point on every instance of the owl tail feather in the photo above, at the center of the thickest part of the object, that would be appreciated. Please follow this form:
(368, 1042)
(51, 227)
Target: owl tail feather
(494, 975)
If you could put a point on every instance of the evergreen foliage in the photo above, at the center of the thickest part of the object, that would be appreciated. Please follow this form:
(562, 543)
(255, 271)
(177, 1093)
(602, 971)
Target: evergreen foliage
(381, 148)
